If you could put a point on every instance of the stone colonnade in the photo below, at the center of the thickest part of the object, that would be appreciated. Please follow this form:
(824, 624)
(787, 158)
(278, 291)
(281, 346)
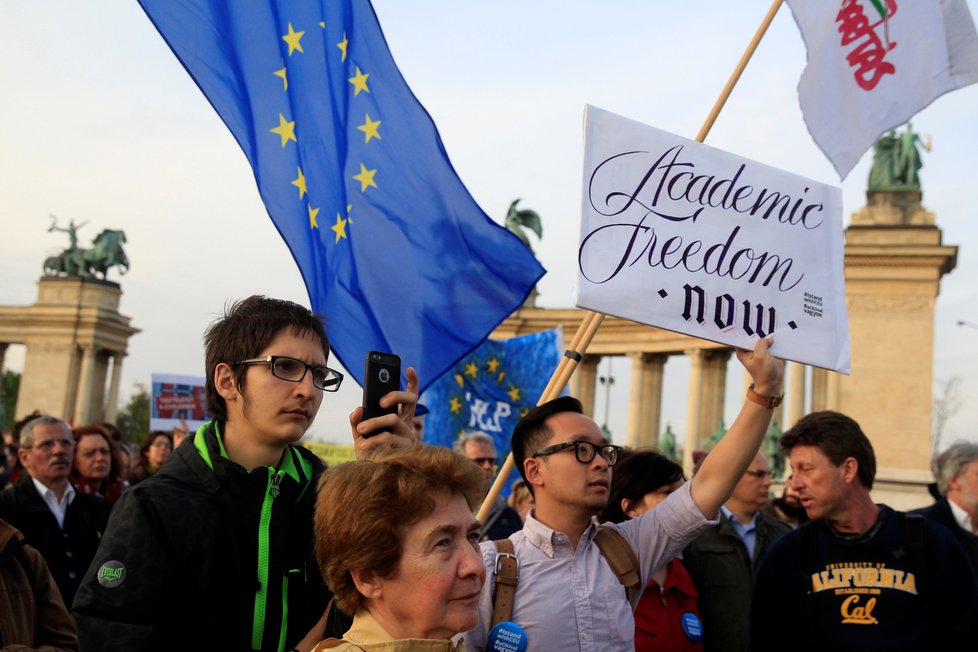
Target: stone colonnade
(76, 341)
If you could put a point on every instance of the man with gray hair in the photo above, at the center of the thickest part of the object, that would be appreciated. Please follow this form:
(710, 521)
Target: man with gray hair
(956, 472)
(65, 526)
(480, 449)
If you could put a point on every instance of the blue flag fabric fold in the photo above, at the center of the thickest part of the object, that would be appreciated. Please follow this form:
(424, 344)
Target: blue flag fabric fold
(393, 250)
(491, 388)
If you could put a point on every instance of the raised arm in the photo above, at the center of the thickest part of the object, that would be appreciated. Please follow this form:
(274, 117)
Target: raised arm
(725, 465)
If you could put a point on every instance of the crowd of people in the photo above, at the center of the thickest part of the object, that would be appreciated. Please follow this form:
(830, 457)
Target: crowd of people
(236, 537)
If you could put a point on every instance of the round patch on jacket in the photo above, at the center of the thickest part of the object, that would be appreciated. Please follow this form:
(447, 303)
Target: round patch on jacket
(111, 574)
(692, 627)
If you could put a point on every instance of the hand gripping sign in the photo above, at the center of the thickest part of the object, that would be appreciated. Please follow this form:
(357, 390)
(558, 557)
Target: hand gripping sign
(682, 236)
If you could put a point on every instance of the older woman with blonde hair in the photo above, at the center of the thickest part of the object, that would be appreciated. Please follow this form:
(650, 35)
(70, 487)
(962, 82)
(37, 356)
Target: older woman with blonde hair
(397, 543)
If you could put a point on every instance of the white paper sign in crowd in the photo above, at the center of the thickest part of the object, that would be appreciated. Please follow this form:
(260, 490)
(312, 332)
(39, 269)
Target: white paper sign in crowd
(689, 238)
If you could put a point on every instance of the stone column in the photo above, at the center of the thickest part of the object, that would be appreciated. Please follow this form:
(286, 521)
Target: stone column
(714, 390)
(691, 440)
(583, 382)
(819, 389)
(796, 394)
(832, 390)
(83, 406)
(112, 402)
(645, 401)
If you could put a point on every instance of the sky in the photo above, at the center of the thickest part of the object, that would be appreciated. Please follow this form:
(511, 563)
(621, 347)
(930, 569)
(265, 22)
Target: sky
(101, 123)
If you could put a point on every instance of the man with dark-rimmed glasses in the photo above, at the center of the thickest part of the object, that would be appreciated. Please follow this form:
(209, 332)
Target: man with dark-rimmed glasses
(567, 596)
(215, 551)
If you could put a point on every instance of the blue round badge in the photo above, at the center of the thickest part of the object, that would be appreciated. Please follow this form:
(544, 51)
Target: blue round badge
(507, 637)
(692, 627)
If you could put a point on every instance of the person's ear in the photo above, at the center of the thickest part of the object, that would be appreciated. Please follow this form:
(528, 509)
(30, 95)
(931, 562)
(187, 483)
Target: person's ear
(626, 508)
(532, 469)
(225, 381)
(850, 468)
(368, 583)
(953, 484)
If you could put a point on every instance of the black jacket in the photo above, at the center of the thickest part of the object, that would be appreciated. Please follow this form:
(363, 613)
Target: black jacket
(68, 551)
(941, 512)
(192, 543)
(724, 576)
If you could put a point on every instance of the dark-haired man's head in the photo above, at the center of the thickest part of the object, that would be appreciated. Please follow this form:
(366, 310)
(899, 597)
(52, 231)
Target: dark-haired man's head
(830, 458)
(245, 331)
(564, 457)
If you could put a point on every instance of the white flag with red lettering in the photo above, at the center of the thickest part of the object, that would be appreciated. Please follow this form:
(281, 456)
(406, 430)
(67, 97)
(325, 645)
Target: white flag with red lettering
(873, 64)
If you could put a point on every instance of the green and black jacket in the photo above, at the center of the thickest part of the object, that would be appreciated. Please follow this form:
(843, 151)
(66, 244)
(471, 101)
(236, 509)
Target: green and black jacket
(213, 557)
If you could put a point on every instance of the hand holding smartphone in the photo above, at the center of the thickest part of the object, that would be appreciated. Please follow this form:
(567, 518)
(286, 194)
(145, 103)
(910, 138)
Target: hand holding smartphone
(381, 375)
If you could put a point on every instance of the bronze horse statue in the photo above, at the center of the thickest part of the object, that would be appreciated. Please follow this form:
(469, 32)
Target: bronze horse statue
(105, 253)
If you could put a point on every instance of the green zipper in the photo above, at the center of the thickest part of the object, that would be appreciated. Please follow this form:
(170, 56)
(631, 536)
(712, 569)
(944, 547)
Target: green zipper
(274, 478)
(300, 470)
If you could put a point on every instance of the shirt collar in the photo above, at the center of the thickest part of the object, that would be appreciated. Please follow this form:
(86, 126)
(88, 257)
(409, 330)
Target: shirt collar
(46, 492)
(736, 522)
(962, 517)
(546, 538)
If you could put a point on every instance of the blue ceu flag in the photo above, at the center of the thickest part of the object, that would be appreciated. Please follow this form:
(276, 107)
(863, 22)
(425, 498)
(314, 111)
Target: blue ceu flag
(393, 249)
(491, 388)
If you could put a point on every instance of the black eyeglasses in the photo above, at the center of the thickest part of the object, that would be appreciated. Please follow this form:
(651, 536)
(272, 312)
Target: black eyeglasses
(294, 371)
(584, 450)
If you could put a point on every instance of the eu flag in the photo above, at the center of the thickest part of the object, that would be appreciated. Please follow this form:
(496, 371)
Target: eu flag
(491, 388)
(392, 248)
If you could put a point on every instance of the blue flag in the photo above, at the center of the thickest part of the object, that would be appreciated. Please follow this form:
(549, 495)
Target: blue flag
(491, 388)
(392, 248)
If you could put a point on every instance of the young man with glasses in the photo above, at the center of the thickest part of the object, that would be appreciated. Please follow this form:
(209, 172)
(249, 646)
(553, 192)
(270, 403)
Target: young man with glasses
(567, 596)
(216, 550)
(63, 525)
(724, 559)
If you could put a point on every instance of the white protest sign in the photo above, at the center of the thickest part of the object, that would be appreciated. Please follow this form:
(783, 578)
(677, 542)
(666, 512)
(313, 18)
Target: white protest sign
(682, 236)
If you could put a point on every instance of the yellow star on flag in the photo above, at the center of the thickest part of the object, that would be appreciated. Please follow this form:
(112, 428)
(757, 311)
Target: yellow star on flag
(455, 405)
(293, 38)
(513, 393)
(366, 178)
(300, 183)
(369, 128)
(359, 82)
(285, 129)
(349, 207)
(285, 80)
(460, 380)
(499, 379)
(339, 228)
(313, 212)
(472, 370)
(322, 24)
(342, 46)
(492, 365)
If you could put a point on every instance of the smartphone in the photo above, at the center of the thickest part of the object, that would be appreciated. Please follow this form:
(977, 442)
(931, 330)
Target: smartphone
(381, 375)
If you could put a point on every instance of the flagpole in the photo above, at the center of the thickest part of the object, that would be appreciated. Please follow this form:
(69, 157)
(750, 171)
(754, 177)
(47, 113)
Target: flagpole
(592, 320)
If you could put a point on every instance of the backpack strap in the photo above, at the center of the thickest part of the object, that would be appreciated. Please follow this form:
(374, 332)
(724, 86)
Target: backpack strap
(507, 576)
(620, 556)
